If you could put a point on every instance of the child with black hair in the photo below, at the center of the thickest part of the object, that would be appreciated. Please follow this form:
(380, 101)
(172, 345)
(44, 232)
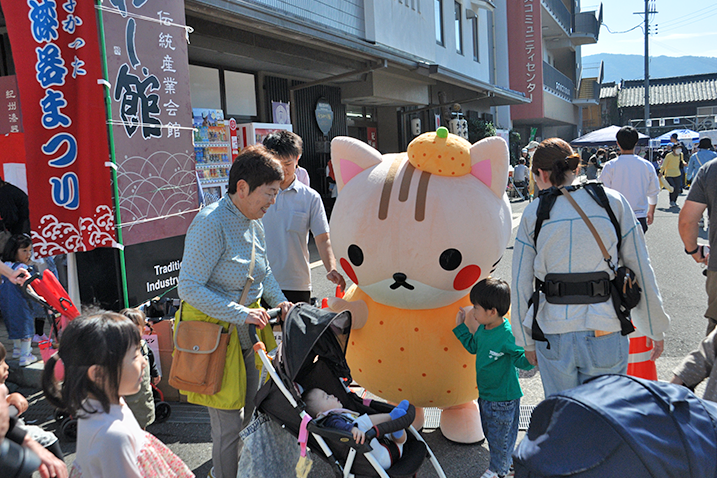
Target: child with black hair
(103, 362)
(387, 450)
(17, 311)
(485, 332)
(142, 402)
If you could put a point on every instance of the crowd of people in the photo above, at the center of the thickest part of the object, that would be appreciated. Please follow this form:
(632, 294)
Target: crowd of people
(249, 251)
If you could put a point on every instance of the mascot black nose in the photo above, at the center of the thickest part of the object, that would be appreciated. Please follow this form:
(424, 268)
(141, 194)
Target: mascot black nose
(399, 277)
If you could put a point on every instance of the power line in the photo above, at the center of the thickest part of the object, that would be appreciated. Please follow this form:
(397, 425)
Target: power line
(626, 31)
(696, 13)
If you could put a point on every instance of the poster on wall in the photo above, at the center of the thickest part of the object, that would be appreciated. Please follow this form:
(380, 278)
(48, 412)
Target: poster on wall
(57, 59)
(148, 72)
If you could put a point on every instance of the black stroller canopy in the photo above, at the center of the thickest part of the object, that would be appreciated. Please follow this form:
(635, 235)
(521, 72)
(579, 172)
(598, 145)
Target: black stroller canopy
(309, 332)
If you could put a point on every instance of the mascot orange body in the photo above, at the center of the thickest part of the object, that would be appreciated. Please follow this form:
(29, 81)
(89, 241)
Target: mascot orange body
(415, 231)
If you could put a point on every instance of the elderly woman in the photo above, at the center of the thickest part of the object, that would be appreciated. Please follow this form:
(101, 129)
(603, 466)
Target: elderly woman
(581, 336)
(221, 244)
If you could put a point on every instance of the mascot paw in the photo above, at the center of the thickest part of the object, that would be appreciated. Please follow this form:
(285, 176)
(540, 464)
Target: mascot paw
(461, 423)
(358, 309)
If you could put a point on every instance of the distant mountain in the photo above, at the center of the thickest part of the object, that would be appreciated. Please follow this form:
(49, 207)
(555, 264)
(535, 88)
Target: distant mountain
(632, 67)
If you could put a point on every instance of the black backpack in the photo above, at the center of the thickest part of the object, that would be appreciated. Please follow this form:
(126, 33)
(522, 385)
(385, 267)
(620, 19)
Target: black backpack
(624, 291)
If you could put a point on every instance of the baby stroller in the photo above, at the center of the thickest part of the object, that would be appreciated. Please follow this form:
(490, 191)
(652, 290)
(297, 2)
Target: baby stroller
(616, 425)
(44, 288)
(312, 355)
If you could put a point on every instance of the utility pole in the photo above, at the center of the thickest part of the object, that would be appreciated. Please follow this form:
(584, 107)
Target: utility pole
(647, 67)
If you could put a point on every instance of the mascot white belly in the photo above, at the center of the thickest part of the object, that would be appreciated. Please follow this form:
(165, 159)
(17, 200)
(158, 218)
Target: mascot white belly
(415, 231)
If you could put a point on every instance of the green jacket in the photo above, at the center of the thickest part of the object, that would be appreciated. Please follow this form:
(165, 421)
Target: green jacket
(496, 359)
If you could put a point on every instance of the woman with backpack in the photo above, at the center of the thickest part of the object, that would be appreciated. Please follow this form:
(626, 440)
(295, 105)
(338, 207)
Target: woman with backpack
(576, 333)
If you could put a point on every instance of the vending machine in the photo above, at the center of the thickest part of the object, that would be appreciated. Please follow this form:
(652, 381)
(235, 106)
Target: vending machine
(213, 154)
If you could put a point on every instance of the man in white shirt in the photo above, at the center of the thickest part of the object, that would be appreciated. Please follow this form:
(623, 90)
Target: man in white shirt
(633, 177)
(287, 222)
(520, 176)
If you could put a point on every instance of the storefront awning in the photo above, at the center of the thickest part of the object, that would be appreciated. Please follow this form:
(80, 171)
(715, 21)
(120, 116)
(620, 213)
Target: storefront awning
(498, 96)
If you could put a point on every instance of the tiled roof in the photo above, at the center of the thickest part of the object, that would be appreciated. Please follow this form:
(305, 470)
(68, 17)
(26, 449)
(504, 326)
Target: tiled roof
(665, 91)
(609, 90)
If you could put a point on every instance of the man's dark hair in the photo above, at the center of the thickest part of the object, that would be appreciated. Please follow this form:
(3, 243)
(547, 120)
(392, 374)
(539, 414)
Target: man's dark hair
(492, 293)
(284, 144)
(673, 136)
(627, 138)
(255, 165)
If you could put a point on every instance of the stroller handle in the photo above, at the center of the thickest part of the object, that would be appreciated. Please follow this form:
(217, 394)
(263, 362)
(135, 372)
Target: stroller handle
(274, 315)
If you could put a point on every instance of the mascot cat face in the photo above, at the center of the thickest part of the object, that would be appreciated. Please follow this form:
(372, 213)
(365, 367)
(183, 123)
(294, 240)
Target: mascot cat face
(417, 230)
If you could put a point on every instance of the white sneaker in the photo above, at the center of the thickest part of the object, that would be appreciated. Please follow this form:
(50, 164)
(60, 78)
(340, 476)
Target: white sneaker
(28, 359)
(39, 338)
(489, 474)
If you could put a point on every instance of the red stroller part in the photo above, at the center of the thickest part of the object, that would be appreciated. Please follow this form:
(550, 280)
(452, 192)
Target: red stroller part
(53, 297)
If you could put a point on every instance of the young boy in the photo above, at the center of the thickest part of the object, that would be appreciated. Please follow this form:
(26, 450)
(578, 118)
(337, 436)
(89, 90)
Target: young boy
(386, 452)
(496, 358)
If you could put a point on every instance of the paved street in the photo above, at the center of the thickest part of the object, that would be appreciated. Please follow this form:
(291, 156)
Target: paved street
(682, 286)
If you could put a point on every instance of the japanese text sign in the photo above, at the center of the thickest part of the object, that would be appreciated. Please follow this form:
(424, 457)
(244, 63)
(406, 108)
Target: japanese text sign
(525, 53)
(57, 60)
(146, 51)
(10, 112)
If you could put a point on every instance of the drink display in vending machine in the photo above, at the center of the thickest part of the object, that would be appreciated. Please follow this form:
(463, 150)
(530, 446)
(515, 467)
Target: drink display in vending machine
(213, 153)
(254, 133)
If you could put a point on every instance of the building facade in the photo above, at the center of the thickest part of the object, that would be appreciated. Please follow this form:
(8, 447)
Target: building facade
(389, 69)
(545, 64)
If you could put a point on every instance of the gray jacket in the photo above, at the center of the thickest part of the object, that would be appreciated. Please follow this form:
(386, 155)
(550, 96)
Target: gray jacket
(699, 365)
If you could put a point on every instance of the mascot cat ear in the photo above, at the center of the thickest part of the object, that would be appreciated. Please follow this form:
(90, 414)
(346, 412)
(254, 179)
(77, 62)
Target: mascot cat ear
(350, 157)
(490, 160)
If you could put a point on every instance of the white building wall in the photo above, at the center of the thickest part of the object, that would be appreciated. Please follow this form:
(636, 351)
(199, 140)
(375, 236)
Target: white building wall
(405, 25)
(502, 66)
(409, 25)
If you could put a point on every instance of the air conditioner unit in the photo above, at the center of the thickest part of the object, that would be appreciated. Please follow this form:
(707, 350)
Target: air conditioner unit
(648, 123)
(675, 120)
(662, 121)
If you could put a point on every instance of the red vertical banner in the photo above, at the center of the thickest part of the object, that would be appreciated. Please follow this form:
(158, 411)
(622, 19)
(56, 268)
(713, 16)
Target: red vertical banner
(57, 61)
(525, 53)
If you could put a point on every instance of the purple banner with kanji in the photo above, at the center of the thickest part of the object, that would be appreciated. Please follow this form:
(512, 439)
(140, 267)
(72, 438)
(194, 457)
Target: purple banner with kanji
(146, 50)
(57, 59)
(10, 112)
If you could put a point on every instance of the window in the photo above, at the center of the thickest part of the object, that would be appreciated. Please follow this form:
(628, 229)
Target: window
(241, 93)
(476, 44)
(438, 6)
(459, 28)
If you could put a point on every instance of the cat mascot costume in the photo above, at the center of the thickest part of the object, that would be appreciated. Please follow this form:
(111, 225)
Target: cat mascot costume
(415, 231)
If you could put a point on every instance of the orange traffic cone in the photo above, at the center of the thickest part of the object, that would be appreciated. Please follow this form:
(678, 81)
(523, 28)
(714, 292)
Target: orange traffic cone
(638, 363)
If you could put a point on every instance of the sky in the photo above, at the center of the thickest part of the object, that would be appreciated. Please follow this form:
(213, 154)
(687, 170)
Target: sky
(684, 27)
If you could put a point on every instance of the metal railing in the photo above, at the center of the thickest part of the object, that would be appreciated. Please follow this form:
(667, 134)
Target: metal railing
(558, 83)
(586, 24)
(561, 13)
